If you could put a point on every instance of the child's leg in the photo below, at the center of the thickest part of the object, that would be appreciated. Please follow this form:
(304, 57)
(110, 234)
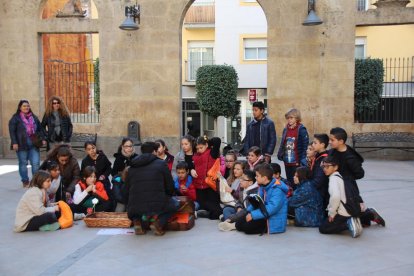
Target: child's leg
(77, 208)
(212, 203)
(228, 211)
(290, 172)
(251, 227)
(104, 206)
(36, 222)
(336, 226)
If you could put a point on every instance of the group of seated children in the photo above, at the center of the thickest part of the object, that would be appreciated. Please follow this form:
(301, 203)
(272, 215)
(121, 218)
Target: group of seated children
(261, 200)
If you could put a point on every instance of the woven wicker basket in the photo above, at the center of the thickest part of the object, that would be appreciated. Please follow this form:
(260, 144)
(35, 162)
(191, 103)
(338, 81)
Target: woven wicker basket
(108, 220)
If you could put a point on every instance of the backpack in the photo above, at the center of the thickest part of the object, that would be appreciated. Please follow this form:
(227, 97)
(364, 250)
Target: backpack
(352, 205)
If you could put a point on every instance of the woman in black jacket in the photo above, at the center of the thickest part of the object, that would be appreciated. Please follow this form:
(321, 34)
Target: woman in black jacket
(27, 135)
(56, 121)
(123, 157)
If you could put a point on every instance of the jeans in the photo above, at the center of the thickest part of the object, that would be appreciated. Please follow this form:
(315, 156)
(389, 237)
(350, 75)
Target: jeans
(32, 155)
(228, 211)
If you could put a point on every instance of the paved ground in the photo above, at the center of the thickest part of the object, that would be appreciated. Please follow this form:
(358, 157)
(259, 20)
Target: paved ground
(388, 185)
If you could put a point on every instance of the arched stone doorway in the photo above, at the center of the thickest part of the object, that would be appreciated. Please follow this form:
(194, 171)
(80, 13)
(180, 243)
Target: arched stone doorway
(217, 32)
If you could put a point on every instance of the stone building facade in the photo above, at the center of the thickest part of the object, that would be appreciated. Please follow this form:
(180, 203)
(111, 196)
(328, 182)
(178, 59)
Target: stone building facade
(309, 67)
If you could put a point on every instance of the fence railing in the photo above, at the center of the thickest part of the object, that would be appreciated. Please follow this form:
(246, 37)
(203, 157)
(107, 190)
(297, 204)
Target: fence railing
(75, 84)
(397, 99)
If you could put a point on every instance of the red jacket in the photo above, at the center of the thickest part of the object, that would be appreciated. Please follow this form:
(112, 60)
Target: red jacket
(100, 189)
(202, 163)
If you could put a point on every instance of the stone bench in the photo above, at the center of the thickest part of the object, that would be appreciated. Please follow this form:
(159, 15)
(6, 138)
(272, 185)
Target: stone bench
(374, 141)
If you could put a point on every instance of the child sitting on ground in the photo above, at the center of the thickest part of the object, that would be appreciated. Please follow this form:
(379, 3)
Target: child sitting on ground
(310, 155)
(97, 159)
(87, 190)
(272, 219)
(232, 214)
(277, 174)
(163, 153)
(33, 213)
(183, 183)
(53, 168)
(207, 196)
(350, 168)
(235, 189)
(338, 218)
(305, 205)
(254, 157)
(318, 178)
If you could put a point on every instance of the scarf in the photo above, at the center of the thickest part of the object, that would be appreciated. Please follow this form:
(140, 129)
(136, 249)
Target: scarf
(128, 155)
(29, 123)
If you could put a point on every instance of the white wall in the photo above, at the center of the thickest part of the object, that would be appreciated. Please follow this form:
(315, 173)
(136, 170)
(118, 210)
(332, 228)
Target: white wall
(232, 20)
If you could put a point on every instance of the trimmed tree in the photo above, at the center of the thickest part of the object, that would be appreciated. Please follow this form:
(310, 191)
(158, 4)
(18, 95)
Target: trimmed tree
(216, 87)
(369, 75)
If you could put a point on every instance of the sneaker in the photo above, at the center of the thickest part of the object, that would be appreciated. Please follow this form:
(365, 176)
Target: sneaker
(226, 226)
(377, 218)
(50, 227)
(25, 184)
(139, 230)
(156, 228)
(78, 216)
(353, 227)
(358, 226)
(203, 214)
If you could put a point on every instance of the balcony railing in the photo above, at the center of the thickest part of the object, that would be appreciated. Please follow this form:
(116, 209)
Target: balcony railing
(200, 14)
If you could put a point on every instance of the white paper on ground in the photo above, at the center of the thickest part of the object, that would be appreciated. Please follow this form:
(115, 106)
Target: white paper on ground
(116, 231)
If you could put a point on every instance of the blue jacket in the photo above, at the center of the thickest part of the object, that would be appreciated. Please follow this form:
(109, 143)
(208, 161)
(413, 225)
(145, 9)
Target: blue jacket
(274, 195)
(302, 145)
(267, 136)
(308, 206)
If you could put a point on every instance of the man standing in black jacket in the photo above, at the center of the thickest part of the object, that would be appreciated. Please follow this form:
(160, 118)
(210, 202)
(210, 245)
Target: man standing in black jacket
(150, 188)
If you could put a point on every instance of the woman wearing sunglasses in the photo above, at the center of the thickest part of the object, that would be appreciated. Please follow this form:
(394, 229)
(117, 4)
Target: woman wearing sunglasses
(56, 121)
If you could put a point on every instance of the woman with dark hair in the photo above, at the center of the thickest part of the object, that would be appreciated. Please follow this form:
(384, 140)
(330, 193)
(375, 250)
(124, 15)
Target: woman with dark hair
(163, 154)
(126, 152)
(69, 170)
(56, 121)
(26, 135)
(186, 153)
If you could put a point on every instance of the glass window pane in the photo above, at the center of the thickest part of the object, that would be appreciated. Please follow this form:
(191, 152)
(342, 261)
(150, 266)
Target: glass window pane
(359, 51)
(262, 53)
(250, 53)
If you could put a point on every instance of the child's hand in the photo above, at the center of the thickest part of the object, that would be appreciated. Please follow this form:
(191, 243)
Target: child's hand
(218, 174)
(93, 188)
(249, 217)
(183, 188)
(101, 178)
(57, 208)
(228, 189)
(331, 219)
(89, 188)
(194, 173)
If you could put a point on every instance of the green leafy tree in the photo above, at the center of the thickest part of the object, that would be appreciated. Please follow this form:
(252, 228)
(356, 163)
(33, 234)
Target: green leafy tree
(369, 74)
(216, 87)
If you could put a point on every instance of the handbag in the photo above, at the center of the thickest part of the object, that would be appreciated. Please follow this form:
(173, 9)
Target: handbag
(36, 140)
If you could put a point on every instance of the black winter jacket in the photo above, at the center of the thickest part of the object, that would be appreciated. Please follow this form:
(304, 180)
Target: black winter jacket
(102, 164)
(48, 123)
(150, 186)
(18, 134)
(121, 162)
